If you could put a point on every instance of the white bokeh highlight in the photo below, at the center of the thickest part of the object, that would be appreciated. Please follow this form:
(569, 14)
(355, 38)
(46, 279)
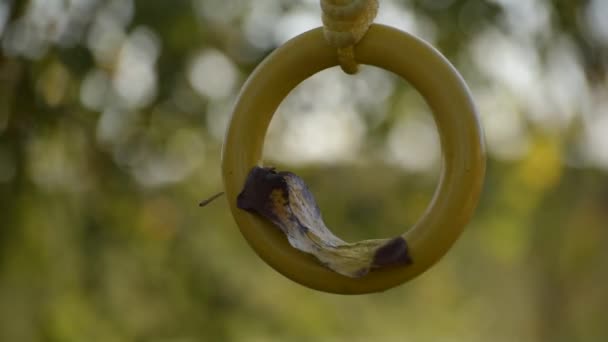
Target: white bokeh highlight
(212, 74)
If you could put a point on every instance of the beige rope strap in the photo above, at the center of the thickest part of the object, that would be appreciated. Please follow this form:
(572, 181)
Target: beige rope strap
(345, 22)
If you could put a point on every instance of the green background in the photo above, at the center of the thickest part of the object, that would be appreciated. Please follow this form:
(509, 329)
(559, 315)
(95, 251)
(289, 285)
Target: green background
(112, 116)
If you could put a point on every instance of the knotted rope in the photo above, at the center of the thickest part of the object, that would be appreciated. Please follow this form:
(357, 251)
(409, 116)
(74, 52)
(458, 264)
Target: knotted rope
(345, 22)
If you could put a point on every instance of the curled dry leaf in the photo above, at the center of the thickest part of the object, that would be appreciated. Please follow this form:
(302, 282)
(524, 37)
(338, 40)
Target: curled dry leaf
(284, 199)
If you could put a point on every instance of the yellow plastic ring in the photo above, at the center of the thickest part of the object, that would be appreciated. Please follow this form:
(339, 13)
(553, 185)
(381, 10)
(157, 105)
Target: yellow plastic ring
(456, 117)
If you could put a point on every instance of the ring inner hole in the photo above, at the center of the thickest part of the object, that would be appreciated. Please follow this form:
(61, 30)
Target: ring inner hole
(366, 146)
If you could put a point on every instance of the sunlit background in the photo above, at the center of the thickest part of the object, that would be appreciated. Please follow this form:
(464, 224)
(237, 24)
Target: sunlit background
(112, 115)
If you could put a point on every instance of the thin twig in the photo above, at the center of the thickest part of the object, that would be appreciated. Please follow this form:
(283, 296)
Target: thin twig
(210, 199)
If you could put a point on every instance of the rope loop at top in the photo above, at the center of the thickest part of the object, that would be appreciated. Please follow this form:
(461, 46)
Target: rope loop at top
(345, 22)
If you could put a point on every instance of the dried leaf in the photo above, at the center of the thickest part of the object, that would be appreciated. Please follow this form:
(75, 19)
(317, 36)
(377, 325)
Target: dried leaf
(284, 199)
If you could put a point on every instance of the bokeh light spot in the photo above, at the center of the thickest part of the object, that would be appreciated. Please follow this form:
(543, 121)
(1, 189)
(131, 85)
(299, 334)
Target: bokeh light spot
(212, 74)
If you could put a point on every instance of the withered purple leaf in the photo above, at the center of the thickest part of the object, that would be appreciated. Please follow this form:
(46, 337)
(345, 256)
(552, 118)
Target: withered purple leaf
(284, 199)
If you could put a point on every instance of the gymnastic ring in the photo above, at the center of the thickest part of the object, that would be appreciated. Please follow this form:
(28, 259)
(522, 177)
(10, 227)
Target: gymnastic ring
(455, 115)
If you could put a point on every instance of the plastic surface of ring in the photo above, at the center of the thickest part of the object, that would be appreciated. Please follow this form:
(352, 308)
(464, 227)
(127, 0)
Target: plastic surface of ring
(460, 134)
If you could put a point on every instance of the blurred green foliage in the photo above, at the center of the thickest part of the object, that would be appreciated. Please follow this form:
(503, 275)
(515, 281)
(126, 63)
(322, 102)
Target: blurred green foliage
(111, 120)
